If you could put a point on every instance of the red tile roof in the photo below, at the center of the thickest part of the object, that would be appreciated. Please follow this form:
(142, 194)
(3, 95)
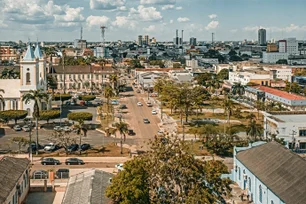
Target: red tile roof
(157, 69)
(282, 94)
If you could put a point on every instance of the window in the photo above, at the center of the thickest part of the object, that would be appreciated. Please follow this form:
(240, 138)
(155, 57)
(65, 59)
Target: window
(272, 202)
(239, 173)
(28, 78)
(250, 184)
(260, 194)
(302, 132)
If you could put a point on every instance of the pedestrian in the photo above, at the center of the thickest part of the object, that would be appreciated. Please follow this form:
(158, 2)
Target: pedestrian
(248, 196)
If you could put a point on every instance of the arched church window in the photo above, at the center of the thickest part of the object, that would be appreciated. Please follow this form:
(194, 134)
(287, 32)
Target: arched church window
(28, 78)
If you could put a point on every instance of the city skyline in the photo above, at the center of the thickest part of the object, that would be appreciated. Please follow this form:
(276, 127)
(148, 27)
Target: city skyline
(53, 20)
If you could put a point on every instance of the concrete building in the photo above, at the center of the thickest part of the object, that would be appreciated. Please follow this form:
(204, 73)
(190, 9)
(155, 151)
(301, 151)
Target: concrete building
(191, 64)
(146, 40)
(269, 173)
(140, 40)
(32, 77)
(289, 45)
(81, 78)
(8, 53)
(260, 78)
(272, 47)
(193, 41)
(80, 44)
(14, 180)
(273, 57)
(289, 126)
(262, 36)
(101, 52)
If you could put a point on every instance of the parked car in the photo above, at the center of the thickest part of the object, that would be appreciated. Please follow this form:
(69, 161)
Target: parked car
(40, 174)
(122, 106)
(57, 128)
(50, 161)
(160, 132)
(17, 128)
(82, 103)
(67, 129)
(85, 147)
(74, 161)
(119, 167)
(33, 146)
(73, 148)
(139, 104)
(114, 102)
(149, 104)
(50, 147)
(26, 128)
(88, 103)
(131, 132)
(146, 121)
(68, 103)
(62, 173)
(154, 112)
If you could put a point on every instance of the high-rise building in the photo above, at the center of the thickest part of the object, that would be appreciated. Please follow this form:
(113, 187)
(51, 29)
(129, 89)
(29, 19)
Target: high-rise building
(289, 45)
(140, 40)
(193, 41)
(153, 40)
(146, 40)
(262, 36)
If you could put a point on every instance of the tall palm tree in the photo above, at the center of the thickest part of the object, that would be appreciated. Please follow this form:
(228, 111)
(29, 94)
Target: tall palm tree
(37, 96)
(108, 94)
(80, 130)
(113, 78)
(228, 109)
(254, 130)
(238, 89)
(1, 97)
(122, 128)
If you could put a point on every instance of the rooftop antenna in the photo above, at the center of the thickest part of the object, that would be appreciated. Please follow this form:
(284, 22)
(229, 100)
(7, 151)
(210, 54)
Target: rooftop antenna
(212, 38)
(182, 37)
(81, 33)
(103, 28)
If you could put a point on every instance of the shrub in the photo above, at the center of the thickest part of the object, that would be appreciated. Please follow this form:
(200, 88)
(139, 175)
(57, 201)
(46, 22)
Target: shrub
(79, 116)
(87, 97)
(13, 115)
(49, 114)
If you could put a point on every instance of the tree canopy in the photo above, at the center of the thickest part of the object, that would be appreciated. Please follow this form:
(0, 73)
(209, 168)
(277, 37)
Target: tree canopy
(87, 97)
(62, 97)
(80, 116)
(49, 115)
(168, 174)
(13, 115)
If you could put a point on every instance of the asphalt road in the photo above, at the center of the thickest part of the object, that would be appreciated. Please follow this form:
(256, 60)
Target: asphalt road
(134, 117)
(88, 165)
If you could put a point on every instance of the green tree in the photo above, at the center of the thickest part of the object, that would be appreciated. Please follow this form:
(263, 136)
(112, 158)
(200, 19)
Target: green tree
(223, 74)
(52, 83)
(49, 115)
(228, 108)
(13, 115)
(293, 87)
(122, 128)
(168, 173)
(1, 97)
(62, 138)
(86, 84)
(282, 61)
(87, 97)
(81, 130)
(62, 97)
(108, 94)
(80, 116)
(238, 89)
(254, 130)
(20, 141)
(232, 53)
(37, 96)
(9, 74)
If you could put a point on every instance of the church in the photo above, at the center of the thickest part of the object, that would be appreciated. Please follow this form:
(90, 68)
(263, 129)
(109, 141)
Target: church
(33, 76)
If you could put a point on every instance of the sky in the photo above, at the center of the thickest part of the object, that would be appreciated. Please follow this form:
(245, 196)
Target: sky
(61, 20)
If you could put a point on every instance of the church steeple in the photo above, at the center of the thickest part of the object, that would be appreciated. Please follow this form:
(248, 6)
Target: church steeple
(29, 56)
(37, 52)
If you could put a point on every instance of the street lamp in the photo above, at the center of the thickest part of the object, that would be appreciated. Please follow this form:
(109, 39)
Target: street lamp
(29, 123)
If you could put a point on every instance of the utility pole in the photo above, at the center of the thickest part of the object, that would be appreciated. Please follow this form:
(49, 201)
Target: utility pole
(212, 38)
(293, 140)
(103, 28)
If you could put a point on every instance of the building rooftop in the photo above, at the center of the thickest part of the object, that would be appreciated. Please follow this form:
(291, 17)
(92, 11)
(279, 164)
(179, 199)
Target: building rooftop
(37, 53)
(279, 93)
(29, 55)
(81, 69)
(88, 187)
(157, 69)
(281, 170)
(11, 169)
(291, 118)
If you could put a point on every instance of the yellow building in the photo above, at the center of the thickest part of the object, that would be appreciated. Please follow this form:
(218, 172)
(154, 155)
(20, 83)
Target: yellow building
(272, 47)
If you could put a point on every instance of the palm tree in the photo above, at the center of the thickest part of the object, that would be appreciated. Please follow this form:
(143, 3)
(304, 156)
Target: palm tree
(1, 97)
(122, 128)
(9, 74)
(238, 89)
(254, 130)
(260, 105)
(108, 94)
(113, 78)
(228, 110)
(80, 130)
(37, 96)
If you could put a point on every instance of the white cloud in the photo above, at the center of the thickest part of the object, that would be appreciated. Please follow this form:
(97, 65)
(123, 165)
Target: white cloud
(124, 22)
(212, 16)
(292, 27)
(2, 24)
(171, 7)
(106, 4)
(150, 28)
(97, 21)
(171, 21)
(71, 15)
(212, 25)
(183, 19)
(251, 28)
(162, 2)
(145, 14)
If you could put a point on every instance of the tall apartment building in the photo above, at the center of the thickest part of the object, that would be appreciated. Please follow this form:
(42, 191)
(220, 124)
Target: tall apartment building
(272, 47)
(140, 42)
(8, 53)
(193, 41)
(289, 45)
(146, 40)
(262, 36)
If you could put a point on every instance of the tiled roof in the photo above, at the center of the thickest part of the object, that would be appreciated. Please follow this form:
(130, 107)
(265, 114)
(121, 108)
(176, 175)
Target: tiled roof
(81, 69)
(87, 187)
(279, 93)
(157, 69)
(11, 169)
(281, 170)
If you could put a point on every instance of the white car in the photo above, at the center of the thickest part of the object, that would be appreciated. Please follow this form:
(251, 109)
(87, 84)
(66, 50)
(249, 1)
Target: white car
(160, 132)
(67, 129)
(154, 112)
(49, 147)
(149, 104)
(57, 128)
(26, 128)
(17, 128)
(119, 167)
(139, 104)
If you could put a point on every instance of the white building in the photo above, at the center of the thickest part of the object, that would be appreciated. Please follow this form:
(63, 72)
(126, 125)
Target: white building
(245, 77)
(289, 45)
(269, 173)
(289, 126)
(32, 77)
(273, 57)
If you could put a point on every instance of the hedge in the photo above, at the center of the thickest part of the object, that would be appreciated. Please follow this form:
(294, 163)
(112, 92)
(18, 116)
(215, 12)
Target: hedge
(87, 97)
(62, 97)
(78, 116)
(13, 115)
(49, 114)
